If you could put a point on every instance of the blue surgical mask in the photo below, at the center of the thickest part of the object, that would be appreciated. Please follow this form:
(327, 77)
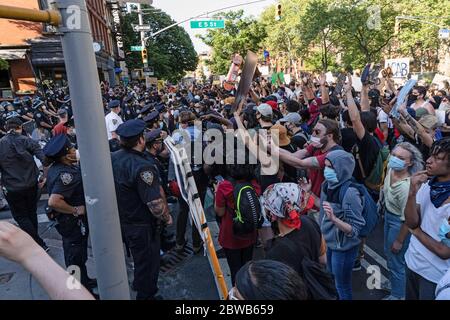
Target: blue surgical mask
(396, 163)
(330, 175)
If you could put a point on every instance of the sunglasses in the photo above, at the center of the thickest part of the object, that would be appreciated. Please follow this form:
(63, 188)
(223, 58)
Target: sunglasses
(316, 131)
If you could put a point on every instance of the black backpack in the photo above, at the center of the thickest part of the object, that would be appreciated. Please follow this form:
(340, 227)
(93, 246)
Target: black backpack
(247, 214)
(319, 282)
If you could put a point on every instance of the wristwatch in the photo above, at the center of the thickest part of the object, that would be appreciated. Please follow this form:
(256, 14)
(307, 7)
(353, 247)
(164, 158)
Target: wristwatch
(75, 214)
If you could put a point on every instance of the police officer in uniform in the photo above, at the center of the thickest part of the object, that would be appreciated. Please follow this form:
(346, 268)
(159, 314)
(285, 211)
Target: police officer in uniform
(129, 111)
(65, 188)
(152, 120)
(142, 205)
(19, 176)
(156, 153)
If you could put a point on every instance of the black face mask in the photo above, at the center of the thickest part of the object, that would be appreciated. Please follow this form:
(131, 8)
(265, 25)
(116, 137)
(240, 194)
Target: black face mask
(413, 98)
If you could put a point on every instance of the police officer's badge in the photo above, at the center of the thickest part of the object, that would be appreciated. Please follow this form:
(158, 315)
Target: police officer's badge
(66, 178)
(147, 177)
(114, 121)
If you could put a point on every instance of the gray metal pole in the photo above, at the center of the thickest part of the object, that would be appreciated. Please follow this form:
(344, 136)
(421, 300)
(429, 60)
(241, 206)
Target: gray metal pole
(96, 165)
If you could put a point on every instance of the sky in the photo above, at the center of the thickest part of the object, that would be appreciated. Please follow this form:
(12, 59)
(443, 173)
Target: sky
(180, 10)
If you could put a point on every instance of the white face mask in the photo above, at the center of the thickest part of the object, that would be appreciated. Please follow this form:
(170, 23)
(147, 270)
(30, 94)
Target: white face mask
(315, 141)
(77, 153)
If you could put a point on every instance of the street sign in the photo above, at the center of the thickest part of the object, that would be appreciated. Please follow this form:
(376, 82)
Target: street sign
(148, 71)
(141, 28)
(444, 34)
(136, 48)
(205, 24)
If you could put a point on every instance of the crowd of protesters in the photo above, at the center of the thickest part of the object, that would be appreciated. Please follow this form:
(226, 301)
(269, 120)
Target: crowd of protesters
(341, 153)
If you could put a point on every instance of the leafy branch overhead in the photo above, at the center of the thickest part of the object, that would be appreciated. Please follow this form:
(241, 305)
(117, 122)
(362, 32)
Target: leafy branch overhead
(171, 53)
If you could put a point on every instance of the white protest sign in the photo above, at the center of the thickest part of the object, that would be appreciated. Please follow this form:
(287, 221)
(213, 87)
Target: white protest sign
(400, 67)
(330, 78)
(439, 80)
(287, 78)
(264, 71)
(356, 83)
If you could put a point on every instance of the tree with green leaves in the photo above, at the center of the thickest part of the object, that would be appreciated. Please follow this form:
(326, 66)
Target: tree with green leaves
(4, 65)
(239, 35)
(171, 53)
(419, 39)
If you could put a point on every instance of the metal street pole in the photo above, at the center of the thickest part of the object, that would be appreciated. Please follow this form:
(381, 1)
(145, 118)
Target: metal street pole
(98, 182)
(142, 33)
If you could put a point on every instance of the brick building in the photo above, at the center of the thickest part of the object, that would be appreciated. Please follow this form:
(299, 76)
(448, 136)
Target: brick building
(34, 50)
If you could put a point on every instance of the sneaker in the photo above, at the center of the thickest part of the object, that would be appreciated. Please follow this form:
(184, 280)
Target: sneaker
(386, 286)
(197, 249)
(92, 283)
(220, 253)
(391, 297)
(179, 248)
(357, 265)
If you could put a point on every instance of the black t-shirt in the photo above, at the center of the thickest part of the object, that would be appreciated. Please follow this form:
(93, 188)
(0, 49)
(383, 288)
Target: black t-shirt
(293, 247)
(299, 139)
(290, 173)
(348, 139)
(424, 150)
(368, 149)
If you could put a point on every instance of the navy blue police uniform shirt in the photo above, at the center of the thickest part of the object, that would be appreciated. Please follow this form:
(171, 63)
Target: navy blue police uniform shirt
(66, 181)
(39, 117)
(137, 183)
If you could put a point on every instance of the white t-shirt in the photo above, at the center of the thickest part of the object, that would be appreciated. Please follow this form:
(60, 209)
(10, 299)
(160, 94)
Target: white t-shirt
(441, 292)
(418, 258)
(112, 121)
(384, 118)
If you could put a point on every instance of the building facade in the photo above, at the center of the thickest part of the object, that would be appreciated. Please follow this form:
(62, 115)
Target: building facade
(34, 51)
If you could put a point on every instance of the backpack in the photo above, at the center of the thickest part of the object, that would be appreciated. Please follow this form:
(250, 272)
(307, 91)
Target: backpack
(248, 217)
(375, 180)
(370, 208)
(318, 280)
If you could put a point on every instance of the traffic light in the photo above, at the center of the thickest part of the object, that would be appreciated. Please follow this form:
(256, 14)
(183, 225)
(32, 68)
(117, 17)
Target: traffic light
(144, 55)
(278, 16)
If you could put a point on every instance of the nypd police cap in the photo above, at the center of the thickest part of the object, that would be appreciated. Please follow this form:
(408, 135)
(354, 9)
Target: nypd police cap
(114, 104)
(58, 146)
(131, 128)
(151, 116)
(153, 135)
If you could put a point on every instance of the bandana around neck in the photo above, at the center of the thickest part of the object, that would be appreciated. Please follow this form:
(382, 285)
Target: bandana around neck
(439, 192)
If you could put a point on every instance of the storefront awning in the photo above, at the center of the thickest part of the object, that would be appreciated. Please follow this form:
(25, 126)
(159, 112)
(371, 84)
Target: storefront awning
(13, 54)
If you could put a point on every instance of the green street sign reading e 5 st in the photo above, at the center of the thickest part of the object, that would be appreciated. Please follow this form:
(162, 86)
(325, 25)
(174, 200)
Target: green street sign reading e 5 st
(205, 24)
(136, 48)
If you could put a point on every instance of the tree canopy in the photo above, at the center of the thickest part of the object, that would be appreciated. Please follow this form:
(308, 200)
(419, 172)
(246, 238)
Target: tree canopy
(239, 35)
(171, 53)
(334, 34)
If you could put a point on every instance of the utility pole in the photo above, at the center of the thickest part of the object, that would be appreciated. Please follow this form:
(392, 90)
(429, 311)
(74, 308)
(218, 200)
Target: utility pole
(98, 182)
(101, 203)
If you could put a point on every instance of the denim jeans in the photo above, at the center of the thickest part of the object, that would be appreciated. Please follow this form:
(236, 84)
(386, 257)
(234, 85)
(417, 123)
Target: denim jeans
(340, 264)
(395, 262)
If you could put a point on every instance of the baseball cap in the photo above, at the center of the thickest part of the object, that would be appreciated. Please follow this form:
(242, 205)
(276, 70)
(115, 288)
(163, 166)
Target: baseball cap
(265, 110)
(292, 117)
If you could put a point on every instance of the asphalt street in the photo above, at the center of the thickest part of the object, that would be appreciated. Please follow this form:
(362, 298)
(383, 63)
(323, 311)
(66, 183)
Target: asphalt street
(185, 276)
